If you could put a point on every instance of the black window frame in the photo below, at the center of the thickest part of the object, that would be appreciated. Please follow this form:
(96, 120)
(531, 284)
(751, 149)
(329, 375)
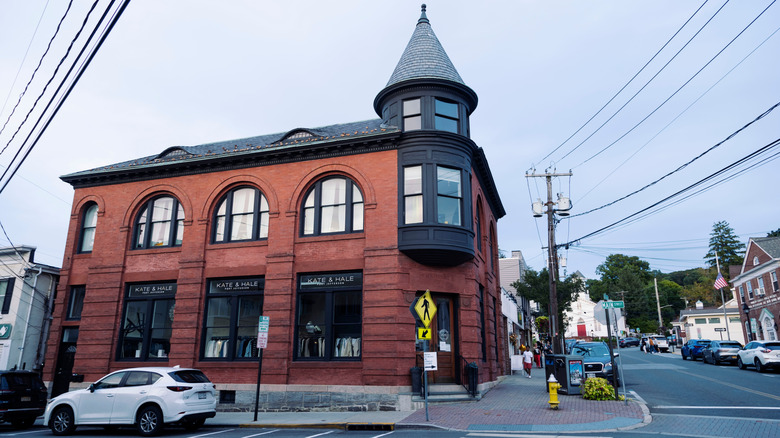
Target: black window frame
(9, 294)
(441, 115)
(330, 323)
(166, 293)
(408, 116)
(478, 226)
(240, 287)
(444, 196)
(76, 302)
(85, 227)
(349, 206)
(260, 216)
(148, 211)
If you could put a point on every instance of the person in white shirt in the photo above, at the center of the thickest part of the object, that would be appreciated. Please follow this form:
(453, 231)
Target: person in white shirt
(528, 359)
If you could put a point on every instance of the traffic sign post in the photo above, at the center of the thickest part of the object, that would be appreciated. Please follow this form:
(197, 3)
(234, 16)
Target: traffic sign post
(262, 341)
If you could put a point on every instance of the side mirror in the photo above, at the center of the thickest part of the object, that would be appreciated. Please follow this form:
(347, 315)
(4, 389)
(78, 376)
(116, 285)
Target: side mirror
(616, 354)
(91, 387)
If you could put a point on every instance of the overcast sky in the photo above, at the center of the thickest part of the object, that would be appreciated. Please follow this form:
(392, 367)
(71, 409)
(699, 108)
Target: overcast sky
(193, 72)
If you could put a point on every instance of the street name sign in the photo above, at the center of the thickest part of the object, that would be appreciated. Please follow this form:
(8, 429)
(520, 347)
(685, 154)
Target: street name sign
(612, 304)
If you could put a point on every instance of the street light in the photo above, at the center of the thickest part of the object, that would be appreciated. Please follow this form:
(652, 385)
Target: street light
(746, 309)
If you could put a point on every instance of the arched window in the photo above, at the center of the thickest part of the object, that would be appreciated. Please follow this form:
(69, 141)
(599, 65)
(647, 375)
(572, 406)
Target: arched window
(478, 225)
(242, 214)
(160, 223)
(88, 226)
(333, 205)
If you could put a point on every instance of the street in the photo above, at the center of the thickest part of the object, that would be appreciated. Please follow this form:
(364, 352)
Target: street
(685, 399)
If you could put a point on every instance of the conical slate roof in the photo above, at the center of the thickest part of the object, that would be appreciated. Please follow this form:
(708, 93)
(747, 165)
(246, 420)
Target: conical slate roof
(424, 57)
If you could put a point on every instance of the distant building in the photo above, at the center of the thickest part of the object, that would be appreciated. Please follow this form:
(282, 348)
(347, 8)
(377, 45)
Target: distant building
(757, 289)
(588, 319)
(513, 269)
(709, 323)
(26, 290)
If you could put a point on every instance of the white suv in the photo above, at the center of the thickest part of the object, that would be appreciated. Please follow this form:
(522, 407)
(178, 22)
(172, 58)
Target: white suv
(147, 398)
(660, 342)
(761, 354)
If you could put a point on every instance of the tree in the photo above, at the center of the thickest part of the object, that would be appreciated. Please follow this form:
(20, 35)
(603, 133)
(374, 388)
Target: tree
(626, 278)
(775, 233)
(535, 286)
(727, 245)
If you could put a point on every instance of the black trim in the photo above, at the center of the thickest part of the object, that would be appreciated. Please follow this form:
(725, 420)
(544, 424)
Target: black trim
(9, 293)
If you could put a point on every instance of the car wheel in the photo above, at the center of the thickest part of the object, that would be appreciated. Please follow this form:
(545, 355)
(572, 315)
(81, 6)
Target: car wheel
(62, 421)
(193, 425)
(715, 360)
(149, 421)
(23, 423)
(740, 364)
(682, 354)
(759, 367)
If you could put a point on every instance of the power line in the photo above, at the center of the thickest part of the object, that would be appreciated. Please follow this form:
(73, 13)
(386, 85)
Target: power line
(762, 150)
(629, 81)
(683, 166)
(678, 90)
(73, 83)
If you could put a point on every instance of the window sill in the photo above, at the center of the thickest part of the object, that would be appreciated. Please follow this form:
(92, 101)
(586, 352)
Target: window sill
(238, 244)
(162, 249)
(328, 237)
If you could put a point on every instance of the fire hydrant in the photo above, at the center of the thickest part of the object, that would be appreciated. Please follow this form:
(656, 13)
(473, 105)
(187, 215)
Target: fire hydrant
(552, 386)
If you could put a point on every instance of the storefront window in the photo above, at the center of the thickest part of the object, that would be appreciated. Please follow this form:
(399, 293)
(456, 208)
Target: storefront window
(233, 308)
(147, 322)
(329, 323)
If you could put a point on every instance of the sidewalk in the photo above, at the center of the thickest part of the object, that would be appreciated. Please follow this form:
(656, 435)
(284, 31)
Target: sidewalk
(517, 404)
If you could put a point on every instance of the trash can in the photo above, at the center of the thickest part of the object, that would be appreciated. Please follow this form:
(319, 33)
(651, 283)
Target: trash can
(417, 381)
(568, 370)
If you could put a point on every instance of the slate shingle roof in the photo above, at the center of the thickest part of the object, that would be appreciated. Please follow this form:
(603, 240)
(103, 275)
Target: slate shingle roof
(424, 57)
(276, 141)
(769, 244)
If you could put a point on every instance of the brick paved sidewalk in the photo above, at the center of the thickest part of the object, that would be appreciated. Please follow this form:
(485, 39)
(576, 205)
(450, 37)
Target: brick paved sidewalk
(521, 404)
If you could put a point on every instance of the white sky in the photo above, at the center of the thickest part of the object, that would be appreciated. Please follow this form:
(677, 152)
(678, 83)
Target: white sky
(193, 72)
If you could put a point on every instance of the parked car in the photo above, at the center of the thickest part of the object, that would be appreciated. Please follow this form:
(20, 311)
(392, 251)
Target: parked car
(22, 397)
(760, 354)
(628, 342)
(567, 344)
(720, 351)
(692, 349)
(661, 344)
(596, 359)
(148, 398)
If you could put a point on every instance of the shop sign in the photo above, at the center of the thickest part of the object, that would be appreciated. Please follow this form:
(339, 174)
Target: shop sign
(330, 281)
(5, 331)
(237, 285)
(152, 290)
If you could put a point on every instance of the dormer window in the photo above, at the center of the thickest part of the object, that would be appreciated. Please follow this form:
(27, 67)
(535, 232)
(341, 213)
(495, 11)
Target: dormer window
(446, 116)
(412, 115)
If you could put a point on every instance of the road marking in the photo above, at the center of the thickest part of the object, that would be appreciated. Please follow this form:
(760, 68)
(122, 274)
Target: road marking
(320, 434)
(709, 417)
(261, 433)
(638, 397)
(19, 433)
(765, 408)
(515, 435)
(772, 396)
(384, 434)
(212, 433)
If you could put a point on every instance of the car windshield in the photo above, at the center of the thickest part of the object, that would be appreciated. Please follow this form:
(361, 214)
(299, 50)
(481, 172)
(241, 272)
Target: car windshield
(772, 346)
(189, 376)
(703, 343)
(591, 350)
(731, 344)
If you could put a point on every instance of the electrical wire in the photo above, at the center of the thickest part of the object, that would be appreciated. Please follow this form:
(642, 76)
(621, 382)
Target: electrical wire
(629, 81)
(24, 58)
(677, 117)
(73, 83)
(678, 90)
(683, 166)
(756, 153)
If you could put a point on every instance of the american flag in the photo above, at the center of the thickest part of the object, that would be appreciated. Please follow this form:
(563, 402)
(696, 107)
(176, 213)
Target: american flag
(720, 282)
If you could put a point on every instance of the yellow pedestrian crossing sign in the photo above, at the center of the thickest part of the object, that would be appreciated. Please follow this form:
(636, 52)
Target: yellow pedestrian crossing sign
(425, 308)
(423, 333)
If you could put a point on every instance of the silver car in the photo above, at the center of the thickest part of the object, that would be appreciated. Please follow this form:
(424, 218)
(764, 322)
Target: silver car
(761, 354)
(720, 351)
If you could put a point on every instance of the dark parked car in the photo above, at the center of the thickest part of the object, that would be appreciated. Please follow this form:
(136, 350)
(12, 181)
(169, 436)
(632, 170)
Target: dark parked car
(720, 351)
(692, 349)
(596, 359)
(628, 342)
(22, 397)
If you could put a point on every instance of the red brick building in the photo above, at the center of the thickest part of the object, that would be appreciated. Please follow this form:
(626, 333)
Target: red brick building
(332, 232)
(757, 289)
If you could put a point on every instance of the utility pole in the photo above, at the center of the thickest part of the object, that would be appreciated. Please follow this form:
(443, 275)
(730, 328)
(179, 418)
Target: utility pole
(658, 305)
(564, 205)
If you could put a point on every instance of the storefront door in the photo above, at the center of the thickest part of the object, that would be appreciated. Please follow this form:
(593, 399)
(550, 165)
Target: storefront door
(64, 370)
(442, 341)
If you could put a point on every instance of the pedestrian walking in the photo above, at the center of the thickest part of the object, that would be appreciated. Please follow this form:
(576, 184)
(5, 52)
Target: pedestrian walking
(528, 358)
(538, 354)
(643, 347)
(651, 347)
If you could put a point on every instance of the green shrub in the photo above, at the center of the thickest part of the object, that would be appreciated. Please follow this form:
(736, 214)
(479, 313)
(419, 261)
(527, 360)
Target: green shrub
(597, 388)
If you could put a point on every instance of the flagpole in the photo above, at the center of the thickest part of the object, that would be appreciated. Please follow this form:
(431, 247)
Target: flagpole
(725, 315)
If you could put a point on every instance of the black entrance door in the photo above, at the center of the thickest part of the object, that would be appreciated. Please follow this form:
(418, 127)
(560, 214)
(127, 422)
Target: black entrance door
(65, 358)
